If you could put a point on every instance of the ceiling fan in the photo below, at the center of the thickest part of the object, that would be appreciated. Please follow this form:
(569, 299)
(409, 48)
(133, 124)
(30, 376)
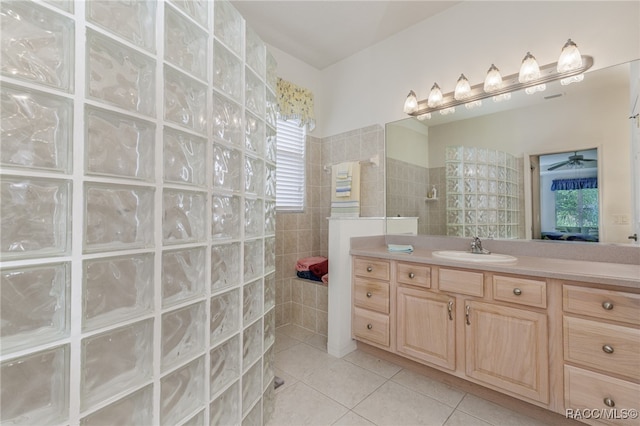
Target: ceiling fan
(574, 161)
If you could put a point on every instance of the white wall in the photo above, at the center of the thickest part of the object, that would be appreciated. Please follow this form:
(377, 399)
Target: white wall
(412, 144)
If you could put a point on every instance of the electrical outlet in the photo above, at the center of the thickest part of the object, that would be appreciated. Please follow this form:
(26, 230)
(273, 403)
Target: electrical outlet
(620, 219)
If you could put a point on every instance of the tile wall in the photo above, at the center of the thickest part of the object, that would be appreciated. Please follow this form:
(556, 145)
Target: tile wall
(138, 214)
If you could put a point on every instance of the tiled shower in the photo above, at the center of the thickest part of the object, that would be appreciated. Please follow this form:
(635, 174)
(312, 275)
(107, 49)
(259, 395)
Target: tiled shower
(137, 214)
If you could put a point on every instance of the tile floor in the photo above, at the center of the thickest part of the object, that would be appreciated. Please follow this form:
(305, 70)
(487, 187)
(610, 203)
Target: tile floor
(360, 389)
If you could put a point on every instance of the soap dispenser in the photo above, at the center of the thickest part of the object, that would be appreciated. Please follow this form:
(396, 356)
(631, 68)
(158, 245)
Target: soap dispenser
(434, 192)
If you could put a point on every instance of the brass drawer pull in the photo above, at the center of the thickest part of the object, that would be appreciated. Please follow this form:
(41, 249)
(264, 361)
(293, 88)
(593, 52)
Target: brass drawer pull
(412, 275)
(608, 349)
(369, 294)
(369, 326)
(607, 306)
(609, 402)
(466, 314)
(450, 310)
(517, 291)
(369, 268)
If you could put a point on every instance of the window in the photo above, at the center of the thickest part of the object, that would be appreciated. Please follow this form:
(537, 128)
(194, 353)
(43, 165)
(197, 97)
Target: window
(577, 209)
(290, 167)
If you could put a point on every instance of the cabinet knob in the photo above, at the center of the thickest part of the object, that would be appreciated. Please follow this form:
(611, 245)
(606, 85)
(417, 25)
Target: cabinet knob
(609, 402)
(411, 275)
(608, 349)
(369, 326)
(517, 291)
(607, 306)
(369, 268)
(369, 294)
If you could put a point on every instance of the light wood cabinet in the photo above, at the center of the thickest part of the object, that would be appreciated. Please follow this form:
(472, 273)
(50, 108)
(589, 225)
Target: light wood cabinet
(426, 326)
(371, 319)
(508, 348)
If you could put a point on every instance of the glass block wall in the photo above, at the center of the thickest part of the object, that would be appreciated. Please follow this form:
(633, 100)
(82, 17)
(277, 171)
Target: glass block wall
(137, 236)
(483, 193)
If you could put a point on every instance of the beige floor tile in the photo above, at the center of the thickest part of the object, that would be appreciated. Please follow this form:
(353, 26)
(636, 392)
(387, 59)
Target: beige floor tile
(289, 380)
(352, 419)
(284, 342)
(393, 404)
(317, 341)
(302, 360)
(371, 363)
(295, 331)
(344, 382)
(429, 387)
(459, 418)
(494, 413)
(300, 405)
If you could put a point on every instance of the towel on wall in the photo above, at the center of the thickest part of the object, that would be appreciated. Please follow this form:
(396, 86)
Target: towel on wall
(345, 189)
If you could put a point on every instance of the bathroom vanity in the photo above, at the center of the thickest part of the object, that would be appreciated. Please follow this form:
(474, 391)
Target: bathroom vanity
(556, 332)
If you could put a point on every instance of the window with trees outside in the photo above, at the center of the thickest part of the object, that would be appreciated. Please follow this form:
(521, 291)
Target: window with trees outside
(577, 210)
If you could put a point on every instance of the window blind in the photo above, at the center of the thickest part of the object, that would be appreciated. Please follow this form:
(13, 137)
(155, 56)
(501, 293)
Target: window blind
(290, 166)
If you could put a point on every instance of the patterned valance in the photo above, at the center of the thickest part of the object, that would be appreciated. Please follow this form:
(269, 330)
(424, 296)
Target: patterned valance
(296, 103)
(573, 184)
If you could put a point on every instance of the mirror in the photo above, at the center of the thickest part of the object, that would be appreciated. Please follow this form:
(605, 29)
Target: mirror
(586, 115)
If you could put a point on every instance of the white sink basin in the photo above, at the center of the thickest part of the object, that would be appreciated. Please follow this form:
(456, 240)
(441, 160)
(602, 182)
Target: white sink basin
(465, 256)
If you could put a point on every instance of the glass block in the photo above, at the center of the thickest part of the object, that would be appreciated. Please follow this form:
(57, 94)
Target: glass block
(270, 181)
(269, 217)
(226, 217)
(44, 377)
(134, 21)
(482, 171)
(197, 420)
(454, 185)
(225, 364)
(269, 331)
(454, 201)
(115, 361)
(225, 410)
(470, 217)
(469, 170)
(133, 409)
(183, 275)
(252, 338)
(116, 289)
(253, 257)
(34, 305)
(482, 155)
(453, 170)
(483, 185)
(37, 45)
(455, 231)
(454, 217)
(492, 231)
(36, 216)
(470, 231)
(492, 216)
(254, 134)
(182, 392)
(120, 76)
(185, 45)
(493, 171)
(185, 101)
(269, 254)
(184, 216)
(118, 145)
(251, 386)
(492, 201)
(253, 219)
(453, 153)
(470, 201)
(227, 168)
(118, 217)
(196, 9)
(66, 5)
(228, 25)
(482, 216)
(270, 154)
(225, 318)
(268, 403)
(271, 108)
(227, 72)
(252, 294)
(272, 72)
(483, 201)
(36, 129)
(253, 175)
(184, 158)
(269, 292)
(225, 266)
(255, 52)
(469, 154)
(227, 120)
(470, 185)
(254, 416)
(182, 334)
(254, 93)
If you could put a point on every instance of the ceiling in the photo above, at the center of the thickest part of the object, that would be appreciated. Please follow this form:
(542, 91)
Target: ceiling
(321, 33)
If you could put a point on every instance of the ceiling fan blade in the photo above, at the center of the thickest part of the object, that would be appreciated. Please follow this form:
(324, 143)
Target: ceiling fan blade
(558, 165)
(588, 159)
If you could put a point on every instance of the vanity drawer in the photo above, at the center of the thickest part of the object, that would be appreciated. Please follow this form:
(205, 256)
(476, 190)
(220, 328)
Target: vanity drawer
(413, 274)
(520, 290)
(589, 390)
(462, 282)
(604, 346)
(371, 326)
(606, 304)
(370, 268)
(371, 294)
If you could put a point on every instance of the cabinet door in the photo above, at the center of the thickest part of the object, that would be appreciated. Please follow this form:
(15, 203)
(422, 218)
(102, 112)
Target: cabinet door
(507, 348)
(426, 326)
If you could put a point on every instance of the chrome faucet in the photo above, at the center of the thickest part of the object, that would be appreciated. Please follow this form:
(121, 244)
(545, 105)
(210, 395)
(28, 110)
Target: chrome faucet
(476, 247)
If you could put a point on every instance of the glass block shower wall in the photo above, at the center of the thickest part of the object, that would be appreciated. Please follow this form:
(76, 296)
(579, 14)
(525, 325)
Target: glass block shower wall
(483, 193)
(137, 214)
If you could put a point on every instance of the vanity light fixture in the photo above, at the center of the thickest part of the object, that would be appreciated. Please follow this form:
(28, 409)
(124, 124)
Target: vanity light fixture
(532, 78)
